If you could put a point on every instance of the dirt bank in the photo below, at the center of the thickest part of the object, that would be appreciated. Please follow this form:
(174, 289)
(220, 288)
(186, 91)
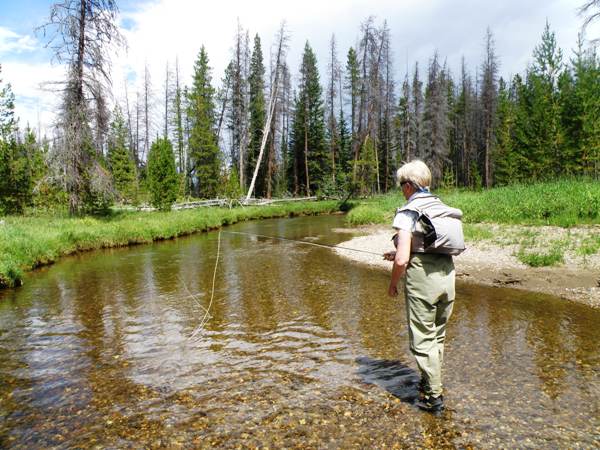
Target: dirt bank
(495, 264)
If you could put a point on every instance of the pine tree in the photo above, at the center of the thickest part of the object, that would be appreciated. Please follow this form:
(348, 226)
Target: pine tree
(525, 132)
(332, 120)
(353, 88)
(7, 111)
(16, 180)
(257, 116)
(416, 115)
(308, 135)
(385, 105)
(580, 102)
(464, 145)
(504, 160)
(178, 124)
(83, 32)
(162, 175)
(489, 98)
(435, 119)
(545, 133)
(237, 114)
(203, 148)
(120, 160)
(402, 125)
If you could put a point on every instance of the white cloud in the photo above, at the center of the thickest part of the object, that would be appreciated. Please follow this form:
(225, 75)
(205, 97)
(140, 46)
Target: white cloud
(36, 100)
(11, 42)
(160, 30)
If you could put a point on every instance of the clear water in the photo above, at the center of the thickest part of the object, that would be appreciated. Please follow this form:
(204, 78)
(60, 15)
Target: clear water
(302, 349)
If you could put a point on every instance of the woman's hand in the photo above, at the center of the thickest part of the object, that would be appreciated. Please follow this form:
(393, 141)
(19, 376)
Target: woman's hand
(389, 256)
(393, 290)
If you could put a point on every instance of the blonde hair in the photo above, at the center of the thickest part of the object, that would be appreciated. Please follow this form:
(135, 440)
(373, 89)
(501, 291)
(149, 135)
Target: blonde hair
(415, 172)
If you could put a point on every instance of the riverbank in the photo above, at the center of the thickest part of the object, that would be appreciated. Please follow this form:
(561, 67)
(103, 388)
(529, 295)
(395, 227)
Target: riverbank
(494, 257)
(27, 242)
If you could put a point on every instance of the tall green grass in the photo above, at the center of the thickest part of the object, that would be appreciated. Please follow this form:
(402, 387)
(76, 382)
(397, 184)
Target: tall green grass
(28, 242)
(563, 203)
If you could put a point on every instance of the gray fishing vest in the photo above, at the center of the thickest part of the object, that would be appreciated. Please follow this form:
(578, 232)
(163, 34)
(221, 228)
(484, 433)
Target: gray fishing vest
(438, 228)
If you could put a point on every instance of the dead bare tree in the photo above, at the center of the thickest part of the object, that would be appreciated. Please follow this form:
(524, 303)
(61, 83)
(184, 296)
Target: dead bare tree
(332, 91)
(178, 120)
(282, 39)
(147, 111)
(81, 34)
(237, 113)
(132, 143)
(591, 13)
(169, 93)
(489, 100)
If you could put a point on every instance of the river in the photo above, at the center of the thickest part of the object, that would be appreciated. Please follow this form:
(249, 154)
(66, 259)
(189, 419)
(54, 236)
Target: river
(302, 348)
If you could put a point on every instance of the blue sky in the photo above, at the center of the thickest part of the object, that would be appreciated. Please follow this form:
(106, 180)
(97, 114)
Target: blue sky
(158, 31)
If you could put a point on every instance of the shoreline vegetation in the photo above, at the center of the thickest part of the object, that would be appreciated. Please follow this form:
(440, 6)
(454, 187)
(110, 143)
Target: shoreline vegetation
(28, 242)
(525, 217)
(544, 224)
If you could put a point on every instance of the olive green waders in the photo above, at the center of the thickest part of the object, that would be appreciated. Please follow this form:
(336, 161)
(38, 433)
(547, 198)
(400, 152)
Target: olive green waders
(429, 293)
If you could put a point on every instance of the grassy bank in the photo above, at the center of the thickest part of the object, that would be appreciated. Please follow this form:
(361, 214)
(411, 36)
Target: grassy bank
(560, 203)
(516, 211)
(28, 242)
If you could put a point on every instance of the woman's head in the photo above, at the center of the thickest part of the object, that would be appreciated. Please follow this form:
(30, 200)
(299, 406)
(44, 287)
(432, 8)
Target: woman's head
(416, 173)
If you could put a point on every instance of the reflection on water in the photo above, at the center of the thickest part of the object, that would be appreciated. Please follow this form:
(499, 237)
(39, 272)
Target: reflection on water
(303, 348)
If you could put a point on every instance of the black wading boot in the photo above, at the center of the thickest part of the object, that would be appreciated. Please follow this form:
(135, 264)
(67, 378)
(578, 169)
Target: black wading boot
(432, 404)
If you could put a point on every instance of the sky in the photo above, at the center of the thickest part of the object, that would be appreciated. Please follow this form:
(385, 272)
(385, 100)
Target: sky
(159, 31)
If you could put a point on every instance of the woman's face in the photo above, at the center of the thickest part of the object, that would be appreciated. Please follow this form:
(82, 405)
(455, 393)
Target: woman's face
(407, 189)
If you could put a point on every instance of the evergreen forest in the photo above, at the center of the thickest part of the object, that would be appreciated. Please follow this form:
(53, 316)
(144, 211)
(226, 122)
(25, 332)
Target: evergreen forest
(261, 131)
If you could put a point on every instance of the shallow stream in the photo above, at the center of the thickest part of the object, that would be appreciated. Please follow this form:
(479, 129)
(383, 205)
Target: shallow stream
(303, 349)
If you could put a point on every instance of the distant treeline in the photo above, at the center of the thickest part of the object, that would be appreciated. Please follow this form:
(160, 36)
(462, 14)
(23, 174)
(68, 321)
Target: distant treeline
(346, 130)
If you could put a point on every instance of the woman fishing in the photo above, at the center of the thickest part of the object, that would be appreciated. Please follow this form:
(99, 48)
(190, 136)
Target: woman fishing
(428, 233)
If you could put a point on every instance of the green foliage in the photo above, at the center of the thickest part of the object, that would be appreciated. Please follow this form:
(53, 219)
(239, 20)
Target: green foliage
(541, 259)
(15, 177)
(120, 161)
(366, 168)
(309, 159)
(476, 180)
(477, 232)
(549, 124)
(98, 195)
(366, 214)
(203, 148)
(503, 153)
(448, 180)
(256, 81)
(16, 181)
(7, 111)
(230, 185)
(562, 203)
(589, 246)
(162, 175)
(341, 188)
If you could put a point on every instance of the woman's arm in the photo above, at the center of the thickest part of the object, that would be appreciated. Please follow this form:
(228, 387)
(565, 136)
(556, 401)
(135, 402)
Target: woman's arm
(400, 261)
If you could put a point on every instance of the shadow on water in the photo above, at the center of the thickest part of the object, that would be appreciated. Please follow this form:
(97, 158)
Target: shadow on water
(395, 377)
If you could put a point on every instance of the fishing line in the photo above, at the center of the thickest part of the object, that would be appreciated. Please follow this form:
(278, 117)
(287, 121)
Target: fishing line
(212, 294)
(303, 242)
